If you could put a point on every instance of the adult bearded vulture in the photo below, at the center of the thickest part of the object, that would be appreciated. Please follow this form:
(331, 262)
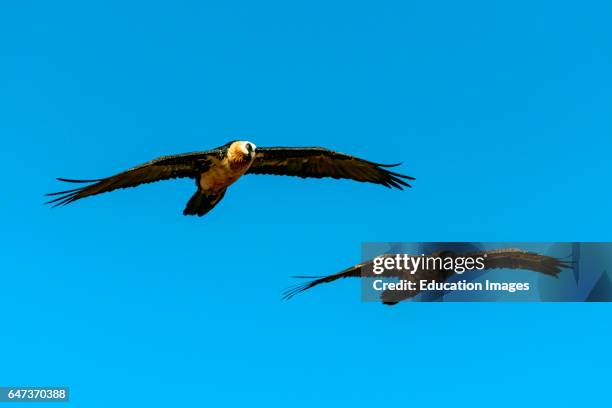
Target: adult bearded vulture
(493, 259)
(215, 170)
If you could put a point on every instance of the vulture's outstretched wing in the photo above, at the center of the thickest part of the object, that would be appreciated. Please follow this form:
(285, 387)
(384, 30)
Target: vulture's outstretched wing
(494, 259)
(512, 258)
(352, 272)
(163, 168)
(318, 162)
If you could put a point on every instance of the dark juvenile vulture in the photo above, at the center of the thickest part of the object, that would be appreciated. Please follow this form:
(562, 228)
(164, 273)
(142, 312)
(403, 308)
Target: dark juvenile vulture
(215, 170)
(492, 259)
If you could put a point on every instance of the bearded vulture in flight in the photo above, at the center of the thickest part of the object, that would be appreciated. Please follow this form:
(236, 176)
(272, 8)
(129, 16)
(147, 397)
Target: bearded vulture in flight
(493, 259)
(215, 170)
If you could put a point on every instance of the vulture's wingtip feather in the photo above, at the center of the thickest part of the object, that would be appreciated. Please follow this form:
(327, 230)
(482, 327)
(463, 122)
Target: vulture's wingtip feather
(77, 181)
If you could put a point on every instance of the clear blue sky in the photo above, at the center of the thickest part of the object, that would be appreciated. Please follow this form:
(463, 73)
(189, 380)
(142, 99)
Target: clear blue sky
(500, 109)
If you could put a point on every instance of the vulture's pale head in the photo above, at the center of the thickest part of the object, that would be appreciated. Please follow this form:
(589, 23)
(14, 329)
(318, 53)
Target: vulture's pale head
(242, 150)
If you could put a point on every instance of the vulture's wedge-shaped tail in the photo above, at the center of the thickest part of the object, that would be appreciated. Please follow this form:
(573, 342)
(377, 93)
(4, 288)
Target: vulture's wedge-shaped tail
(493, 259)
